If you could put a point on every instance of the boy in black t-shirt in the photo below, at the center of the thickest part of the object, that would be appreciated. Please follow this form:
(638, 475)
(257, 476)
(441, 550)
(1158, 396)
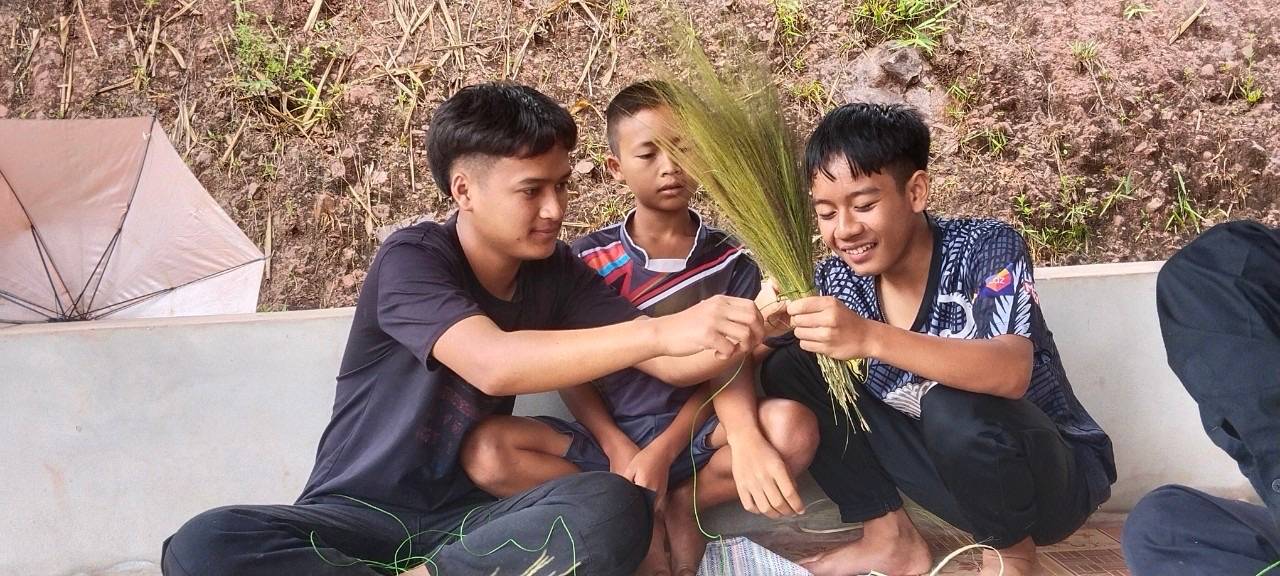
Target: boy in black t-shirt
(454, 319)
(970, 410)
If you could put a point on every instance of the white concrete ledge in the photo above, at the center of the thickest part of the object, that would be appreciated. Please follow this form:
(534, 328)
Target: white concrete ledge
(1094, 270)
(136, 323)
(118, 431)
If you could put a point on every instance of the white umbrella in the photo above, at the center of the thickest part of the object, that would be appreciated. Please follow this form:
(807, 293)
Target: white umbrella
(103, 218)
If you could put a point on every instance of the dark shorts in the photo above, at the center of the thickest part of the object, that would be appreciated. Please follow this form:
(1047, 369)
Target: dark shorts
(585, 453)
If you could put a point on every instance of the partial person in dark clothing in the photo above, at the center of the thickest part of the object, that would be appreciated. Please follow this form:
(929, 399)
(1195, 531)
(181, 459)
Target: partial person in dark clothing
(971, 413)
(452, 322)
(1219, 305)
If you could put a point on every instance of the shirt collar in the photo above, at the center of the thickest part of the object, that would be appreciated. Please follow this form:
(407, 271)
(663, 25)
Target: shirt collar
(638, 254)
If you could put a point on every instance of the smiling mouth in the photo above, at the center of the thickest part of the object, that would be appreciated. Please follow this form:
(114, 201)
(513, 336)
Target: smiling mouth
(859, 250)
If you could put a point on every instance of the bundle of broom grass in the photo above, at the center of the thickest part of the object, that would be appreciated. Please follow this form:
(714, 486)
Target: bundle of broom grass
(734, 140)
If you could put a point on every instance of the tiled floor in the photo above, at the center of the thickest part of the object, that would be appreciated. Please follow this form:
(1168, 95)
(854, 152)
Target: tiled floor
(1092, 551)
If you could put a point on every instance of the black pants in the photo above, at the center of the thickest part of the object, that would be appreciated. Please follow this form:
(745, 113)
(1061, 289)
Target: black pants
(1177, 530)
(607, 520)
(993, 467)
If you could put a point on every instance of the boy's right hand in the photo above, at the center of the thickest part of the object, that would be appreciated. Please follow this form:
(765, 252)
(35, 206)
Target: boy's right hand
(729, 326)
(761, 477)
(651, 469)
(620, 453)
(624, 461)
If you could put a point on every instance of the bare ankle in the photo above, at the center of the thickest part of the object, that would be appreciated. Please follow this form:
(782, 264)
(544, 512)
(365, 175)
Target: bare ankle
(895, 525)
(1017, 560)
(890, 544)
(1025, 550)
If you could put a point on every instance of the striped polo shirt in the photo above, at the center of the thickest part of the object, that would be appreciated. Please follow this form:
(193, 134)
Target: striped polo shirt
(716, 264)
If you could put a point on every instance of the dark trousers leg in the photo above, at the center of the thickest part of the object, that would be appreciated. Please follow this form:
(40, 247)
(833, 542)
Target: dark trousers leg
(1006, 470)
(598, 519)
(993, 467)
(1177, 530)
(318, 538)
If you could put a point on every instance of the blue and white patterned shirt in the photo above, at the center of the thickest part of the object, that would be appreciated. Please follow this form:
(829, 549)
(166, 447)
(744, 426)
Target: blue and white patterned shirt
(981, 285)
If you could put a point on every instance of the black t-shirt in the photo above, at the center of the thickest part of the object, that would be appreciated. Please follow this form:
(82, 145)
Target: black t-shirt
(400, 415)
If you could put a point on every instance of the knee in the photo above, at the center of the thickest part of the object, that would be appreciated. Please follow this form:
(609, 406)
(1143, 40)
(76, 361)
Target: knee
(483, 453)
(1202, 267)
(792, 429)
(1238, 237)
(1151, 533)
(618, 521)
(204, 544)
(621, 501)
(1159, 512)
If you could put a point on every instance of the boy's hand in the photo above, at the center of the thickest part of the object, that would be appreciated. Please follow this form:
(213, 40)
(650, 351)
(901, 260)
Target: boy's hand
(773, 308)
(763, 482)
(620, 452)
(651, 469)
(727, 325)
(825, 326)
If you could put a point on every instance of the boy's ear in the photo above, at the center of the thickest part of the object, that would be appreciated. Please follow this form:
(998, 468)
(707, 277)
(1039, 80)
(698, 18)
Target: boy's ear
(918, 190)
(460, 188)
(612, 164)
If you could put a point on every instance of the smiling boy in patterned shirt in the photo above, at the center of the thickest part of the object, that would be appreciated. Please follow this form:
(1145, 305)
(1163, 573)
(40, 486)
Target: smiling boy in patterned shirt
(971, 413)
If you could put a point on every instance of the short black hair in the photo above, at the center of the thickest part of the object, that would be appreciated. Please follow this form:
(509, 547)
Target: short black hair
(632, 100)
(889, 138)
(497, 119)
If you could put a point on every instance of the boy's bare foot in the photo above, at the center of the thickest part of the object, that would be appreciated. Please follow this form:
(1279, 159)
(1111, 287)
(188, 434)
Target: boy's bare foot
(656, 562)
(687, 543)
(890, 545)
(1019, 560)
(418, 571)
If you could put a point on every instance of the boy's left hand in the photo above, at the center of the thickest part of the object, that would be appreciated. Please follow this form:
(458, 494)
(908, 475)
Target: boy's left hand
(651, 469)
(823, 325)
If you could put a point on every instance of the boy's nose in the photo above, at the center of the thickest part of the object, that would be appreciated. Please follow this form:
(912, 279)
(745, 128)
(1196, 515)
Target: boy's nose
(552, 208)
(668, 165)
(848, 226)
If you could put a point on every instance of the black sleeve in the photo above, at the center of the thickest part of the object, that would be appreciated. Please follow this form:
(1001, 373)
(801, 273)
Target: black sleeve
(420, 296)
(744, 281)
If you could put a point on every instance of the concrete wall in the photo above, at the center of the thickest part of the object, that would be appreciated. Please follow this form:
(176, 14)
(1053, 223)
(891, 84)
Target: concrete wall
(116, 432)
(1103, 318)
